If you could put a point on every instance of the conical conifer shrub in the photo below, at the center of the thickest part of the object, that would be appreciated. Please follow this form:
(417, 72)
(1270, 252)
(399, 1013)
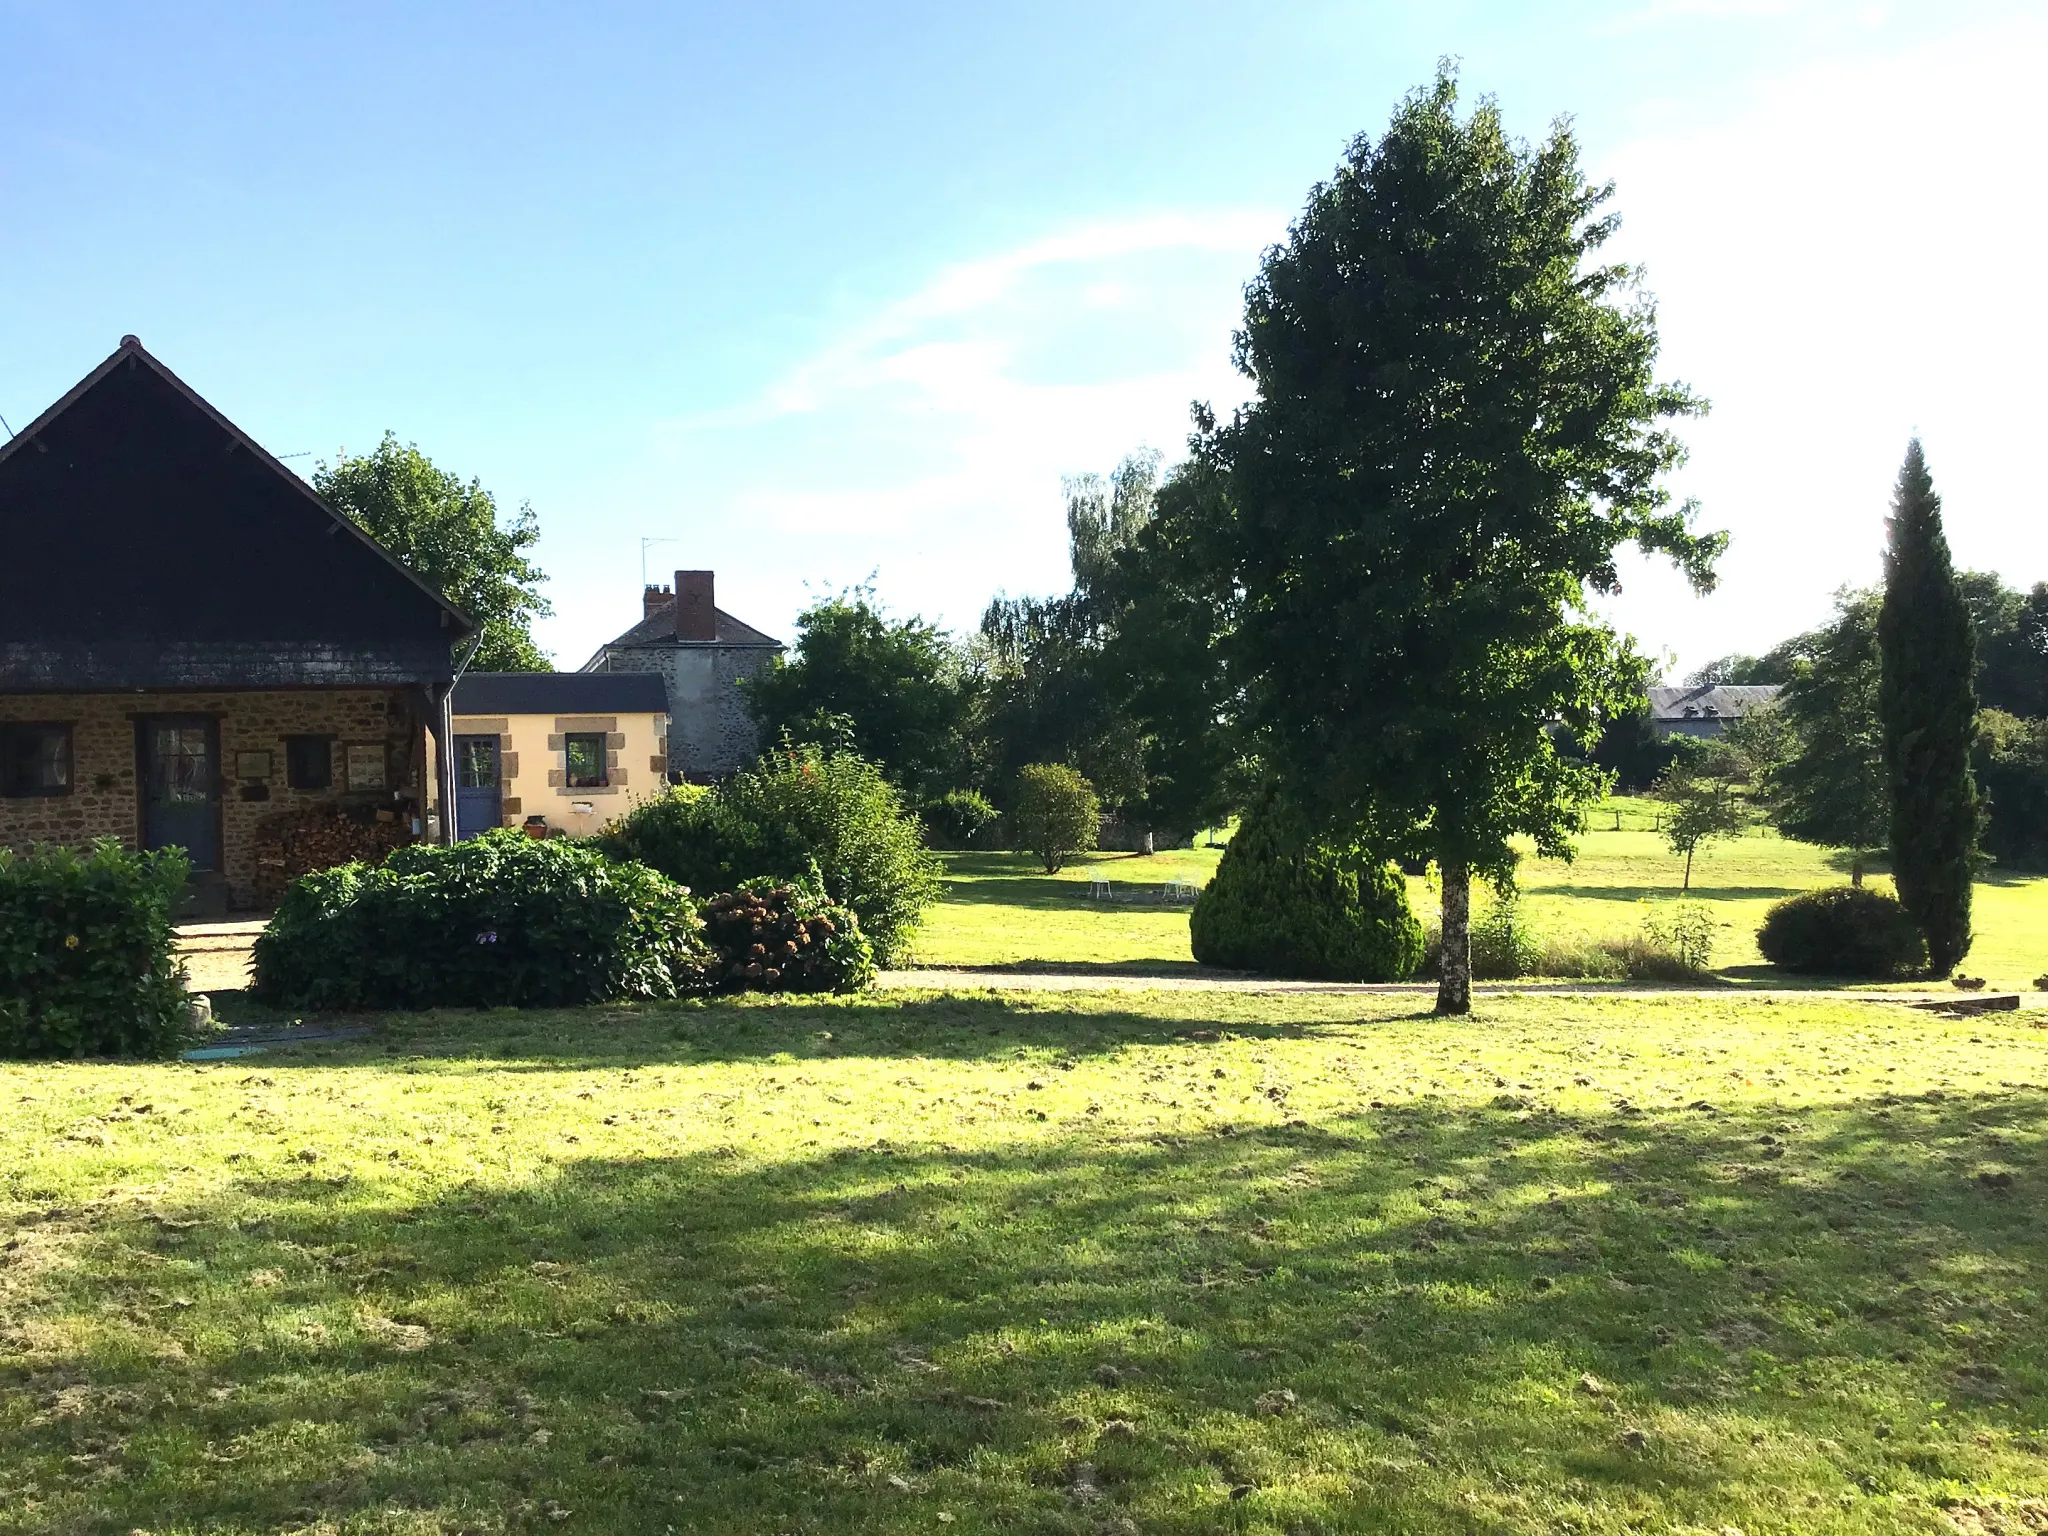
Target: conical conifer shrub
(1928, 703)
(1289, 905)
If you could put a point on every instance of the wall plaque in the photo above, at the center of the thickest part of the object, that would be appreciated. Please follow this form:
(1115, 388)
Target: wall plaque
(252, 765)
(366, 765)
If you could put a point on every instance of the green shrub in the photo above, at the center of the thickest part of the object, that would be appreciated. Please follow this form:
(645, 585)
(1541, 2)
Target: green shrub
(1672, 945)
(86, 967)
(959, 818)
(1288, 905)
(786, 938)
(798, 807)
(502, 919)
(1504, 944)
(1056, 814)
(1844, 930)
(1683, 930)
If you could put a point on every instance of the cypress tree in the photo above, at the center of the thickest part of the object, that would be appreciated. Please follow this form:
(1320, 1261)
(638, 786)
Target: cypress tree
(1927, 702)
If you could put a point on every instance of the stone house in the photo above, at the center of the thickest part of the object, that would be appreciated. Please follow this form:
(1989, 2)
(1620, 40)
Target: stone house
(566, 750)
(193, 641)
(701, 652)
(1706, 709)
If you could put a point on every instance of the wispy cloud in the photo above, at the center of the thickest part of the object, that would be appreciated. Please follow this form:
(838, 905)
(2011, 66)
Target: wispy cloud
(929, 437)
(960, 326)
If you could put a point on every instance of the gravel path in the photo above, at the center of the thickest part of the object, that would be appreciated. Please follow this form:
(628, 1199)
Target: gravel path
(951, 980)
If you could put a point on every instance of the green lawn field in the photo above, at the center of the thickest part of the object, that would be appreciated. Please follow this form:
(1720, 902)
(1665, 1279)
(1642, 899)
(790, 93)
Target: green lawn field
(1002, 909)
(1180, 1263)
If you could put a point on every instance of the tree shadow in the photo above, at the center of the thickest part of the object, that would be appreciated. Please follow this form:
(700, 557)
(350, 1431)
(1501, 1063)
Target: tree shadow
(1186, 969)
(1035, 894)
(1664, 1318)
(1015, 880)
(947, 1026)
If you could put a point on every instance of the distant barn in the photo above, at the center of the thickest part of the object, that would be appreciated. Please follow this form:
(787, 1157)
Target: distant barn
(1706, 709)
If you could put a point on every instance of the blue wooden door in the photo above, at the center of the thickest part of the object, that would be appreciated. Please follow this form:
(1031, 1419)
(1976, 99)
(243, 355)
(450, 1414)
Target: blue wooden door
(179, 771)
(478, 797)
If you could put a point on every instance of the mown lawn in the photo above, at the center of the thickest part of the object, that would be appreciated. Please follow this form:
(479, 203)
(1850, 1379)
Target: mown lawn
(1002, 909)
(1150, 1262)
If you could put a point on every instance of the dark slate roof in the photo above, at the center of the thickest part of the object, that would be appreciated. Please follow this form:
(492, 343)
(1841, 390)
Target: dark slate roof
(659, 628)
(154, 544)
(561, 693)
(1710, 701)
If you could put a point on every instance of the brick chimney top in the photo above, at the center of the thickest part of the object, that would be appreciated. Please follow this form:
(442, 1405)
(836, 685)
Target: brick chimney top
(653, 600)
(696, 617)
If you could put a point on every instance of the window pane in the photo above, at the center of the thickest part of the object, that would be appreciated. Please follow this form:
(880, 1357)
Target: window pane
(309, 762)
(50, 759)
(183, 766)
(476, 762)
(35, 760)
(585, 754)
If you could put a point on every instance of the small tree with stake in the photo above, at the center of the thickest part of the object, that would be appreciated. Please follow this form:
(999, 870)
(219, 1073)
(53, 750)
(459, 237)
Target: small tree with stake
(1927, 700)
(1457, 424)
(1701, 808)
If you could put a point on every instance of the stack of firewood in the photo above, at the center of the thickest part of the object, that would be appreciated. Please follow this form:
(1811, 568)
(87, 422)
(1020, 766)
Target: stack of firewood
(294, 843)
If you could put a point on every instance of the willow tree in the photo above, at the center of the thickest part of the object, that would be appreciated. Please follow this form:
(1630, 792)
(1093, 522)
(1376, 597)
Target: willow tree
(1456, 426)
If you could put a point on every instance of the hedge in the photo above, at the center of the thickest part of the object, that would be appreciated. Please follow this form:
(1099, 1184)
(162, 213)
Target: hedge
(86, 962)
(501, 919)
(1842, 930)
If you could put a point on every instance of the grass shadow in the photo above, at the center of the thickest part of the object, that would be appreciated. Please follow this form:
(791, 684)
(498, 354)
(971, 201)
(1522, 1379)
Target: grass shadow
(946, 1026)
(1686, 1318)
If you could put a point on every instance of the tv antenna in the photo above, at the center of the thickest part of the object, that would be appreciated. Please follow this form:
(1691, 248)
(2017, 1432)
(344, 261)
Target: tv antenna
(645, 545)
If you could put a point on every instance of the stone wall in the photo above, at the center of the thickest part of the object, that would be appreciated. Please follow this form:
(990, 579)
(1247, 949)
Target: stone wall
(103, 801)
(533, 764)
(710, 732)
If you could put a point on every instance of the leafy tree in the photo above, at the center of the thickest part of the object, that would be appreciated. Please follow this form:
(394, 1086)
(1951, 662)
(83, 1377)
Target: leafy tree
(1056, 814)
(1702, 808)
(1047, 697)
(449, 535)
(1457, 424)
(1163, 660)
(1119, 677)
(1774, 666)
(1828, 786)
(2012, 768)
(1927, 701)
(2012, 648)
(2013, 673)
(1630, 747)
(898, 692)
(1755, 744)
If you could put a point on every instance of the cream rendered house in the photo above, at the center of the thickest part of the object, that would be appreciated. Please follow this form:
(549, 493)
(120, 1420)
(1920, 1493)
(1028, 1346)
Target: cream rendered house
(573, 749)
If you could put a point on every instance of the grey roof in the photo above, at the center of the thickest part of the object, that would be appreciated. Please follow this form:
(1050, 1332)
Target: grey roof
(659, 628)
(561, 693)
(1710, 701)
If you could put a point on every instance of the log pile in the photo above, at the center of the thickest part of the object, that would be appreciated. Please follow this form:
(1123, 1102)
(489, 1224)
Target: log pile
(297, 842)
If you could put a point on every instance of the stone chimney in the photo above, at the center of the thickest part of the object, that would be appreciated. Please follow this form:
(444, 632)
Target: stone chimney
(696, 618)
(653, 600)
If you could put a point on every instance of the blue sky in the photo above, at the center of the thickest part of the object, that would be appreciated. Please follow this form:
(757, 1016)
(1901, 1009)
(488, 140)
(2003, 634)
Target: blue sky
(819, 291)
